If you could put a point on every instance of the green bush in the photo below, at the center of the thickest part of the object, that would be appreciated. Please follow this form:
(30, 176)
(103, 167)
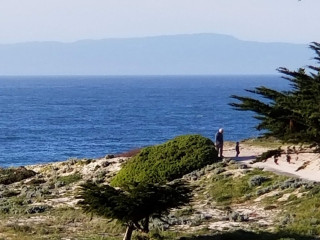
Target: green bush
(12, 175)
(168, 161)
(66, 180)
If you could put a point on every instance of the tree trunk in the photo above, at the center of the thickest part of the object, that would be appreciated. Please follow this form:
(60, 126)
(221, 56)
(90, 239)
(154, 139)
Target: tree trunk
(145, 225)
(129, 231)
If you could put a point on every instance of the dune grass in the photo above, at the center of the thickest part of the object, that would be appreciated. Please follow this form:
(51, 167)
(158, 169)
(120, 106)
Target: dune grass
(225, 190)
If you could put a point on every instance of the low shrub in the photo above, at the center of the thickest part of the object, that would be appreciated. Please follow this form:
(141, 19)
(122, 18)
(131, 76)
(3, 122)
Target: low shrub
(225, 190)
(168, 161)
(257, 180)
(12, 175)
(66, 180)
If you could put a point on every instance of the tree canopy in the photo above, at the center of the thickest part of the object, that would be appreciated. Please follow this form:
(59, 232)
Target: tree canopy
(293, 115)
(134, 205)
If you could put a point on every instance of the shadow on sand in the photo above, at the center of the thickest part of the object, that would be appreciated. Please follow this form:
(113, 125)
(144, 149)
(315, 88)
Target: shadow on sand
(244, 158)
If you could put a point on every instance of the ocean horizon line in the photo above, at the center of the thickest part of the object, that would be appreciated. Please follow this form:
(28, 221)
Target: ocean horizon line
(143, 75)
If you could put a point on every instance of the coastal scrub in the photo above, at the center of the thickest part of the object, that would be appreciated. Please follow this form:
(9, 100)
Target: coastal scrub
(167, 161)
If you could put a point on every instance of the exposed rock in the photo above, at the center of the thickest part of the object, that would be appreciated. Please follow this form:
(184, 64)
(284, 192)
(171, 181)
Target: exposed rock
(109, 156)
(37, 209)
(237, 217)
(105, 164)
(59, 184)
(218, 170)
(242, 166)
(195, 175)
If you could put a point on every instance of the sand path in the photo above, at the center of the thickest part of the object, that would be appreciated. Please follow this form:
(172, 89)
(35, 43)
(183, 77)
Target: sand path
(302, 165)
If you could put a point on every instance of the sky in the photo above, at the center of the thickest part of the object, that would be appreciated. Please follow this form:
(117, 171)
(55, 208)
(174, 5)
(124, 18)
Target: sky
(72, 20)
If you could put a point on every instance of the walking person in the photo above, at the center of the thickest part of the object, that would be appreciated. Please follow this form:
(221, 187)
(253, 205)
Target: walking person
(237, 149)
(219, 142)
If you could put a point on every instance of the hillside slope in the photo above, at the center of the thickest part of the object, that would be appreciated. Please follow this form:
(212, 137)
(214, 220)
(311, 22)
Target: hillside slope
(232, 200)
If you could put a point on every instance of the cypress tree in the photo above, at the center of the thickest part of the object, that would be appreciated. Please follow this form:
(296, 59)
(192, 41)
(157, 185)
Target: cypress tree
(134, 205)
(291, 116)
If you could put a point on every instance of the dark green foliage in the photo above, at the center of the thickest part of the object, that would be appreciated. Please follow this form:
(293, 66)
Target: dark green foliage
(168, 161)
(294, 115)
(135, 203)
(12, 175)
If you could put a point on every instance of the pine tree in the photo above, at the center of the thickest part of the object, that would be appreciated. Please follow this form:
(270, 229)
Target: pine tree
(293, 115)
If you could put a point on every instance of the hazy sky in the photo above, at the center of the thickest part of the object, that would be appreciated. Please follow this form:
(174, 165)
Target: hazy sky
(71, 20)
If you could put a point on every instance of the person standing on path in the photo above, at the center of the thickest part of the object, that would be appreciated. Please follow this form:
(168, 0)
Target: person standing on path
(219, 142)
(237, 149)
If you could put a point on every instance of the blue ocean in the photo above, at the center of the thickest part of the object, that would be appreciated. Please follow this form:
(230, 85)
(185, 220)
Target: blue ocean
(53, 118)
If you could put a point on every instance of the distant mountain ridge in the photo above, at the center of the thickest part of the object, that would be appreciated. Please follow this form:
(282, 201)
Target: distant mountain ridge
(186, 54)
